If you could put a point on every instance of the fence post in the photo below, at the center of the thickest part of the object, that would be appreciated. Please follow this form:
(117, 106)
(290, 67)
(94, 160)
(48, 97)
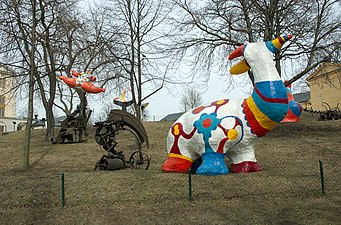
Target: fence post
(322, 176)
(63, 190)
(190, 184)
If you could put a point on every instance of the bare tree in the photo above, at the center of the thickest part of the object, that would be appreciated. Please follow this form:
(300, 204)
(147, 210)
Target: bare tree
(138, 24)
(64, 41)
(17, 33)
(213, 28)
(83, 49)
(31, 52)
(22, 26)
(49, 33)
(190, 99)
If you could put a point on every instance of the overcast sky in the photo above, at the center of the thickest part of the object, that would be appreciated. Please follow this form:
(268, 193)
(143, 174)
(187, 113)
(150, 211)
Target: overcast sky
(167, 100)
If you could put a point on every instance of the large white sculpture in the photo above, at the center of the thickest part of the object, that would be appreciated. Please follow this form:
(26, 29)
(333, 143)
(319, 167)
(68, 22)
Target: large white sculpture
(230, 127)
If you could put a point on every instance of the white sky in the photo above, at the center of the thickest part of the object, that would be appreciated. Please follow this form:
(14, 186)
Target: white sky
(164, 102)
(167, 100)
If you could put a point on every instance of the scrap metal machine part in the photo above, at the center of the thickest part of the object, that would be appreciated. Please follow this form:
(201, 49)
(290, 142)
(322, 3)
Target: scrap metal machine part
(328, 113)
(77, 122)
(106, 136)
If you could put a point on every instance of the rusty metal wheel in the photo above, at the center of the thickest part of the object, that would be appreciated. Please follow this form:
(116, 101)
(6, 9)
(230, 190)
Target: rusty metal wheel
(139, 160)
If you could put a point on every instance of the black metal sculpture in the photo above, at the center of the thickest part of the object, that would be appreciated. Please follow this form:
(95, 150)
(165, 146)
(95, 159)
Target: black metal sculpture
(77, 122)
(124, 105)
(328, 114)
(106, 133)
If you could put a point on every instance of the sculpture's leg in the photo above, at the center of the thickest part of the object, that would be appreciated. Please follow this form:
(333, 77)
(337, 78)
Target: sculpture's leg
(212, 164)
(243, 158)
(176, 163)
(245, 167)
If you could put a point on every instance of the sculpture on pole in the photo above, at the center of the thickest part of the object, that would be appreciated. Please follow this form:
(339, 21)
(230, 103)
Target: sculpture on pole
(78, 119)
(82, 80)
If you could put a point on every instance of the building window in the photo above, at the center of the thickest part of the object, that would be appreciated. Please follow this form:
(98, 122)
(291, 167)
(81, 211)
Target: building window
(2, 112)
(2, 100)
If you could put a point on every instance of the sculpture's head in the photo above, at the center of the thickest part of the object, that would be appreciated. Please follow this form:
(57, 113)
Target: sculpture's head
(294, 110)
(256, 55)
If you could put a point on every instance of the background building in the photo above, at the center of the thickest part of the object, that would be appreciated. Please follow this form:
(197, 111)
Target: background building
(325, 87)
(8, 120)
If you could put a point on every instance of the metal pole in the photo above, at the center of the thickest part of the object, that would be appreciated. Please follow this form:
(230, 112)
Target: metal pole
(190, 184)
(322, 176)
(63, 190)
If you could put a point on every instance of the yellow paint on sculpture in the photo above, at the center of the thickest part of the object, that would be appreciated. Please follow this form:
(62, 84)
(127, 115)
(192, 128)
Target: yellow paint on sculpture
(180, 156)
(277, 43)
(262, 119)
(176, 130)
(232, 134)
(240, 67)
(220, 102)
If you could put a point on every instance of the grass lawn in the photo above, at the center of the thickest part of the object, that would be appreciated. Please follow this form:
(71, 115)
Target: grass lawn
(287, 191)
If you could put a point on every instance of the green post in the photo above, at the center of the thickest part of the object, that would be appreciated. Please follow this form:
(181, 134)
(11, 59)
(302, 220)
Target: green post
(63, 190)
(322, 176)
(190, 184)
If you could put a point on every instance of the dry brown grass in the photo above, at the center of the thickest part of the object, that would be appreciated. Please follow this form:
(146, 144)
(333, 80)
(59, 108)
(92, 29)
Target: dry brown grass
(286, 192)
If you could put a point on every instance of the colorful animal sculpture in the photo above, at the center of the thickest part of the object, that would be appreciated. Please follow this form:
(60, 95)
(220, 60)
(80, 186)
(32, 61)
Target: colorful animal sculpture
(82, 80)
(230, 127)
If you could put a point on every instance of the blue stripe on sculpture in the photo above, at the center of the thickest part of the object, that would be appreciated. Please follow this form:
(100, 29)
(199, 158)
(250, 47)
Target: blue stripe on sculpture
(274, 111)
(272, 89)
(271, 46)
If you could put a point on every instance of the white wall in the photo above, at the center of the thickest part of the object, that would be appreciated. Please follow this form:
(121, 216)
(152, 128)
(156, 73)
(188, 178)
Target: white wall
(8, 125)
(5, 90)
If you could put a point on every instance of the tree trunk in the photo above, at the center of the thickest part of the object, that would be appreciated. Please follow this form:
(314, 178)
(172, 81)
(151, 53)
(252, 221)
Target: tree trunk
(50, 123)
(82, 122)
(27, 139)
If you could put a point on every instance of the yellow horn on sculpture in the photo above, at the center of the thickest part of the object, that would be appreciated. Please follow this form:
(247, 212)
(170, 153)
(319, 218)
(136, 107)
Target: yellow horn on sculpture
(277, 43)
(239, 68)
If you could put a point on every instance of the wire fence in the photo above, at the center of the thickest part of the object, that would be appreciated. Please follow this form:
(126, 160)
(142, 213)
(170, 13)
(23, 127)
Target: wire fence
(104, 188)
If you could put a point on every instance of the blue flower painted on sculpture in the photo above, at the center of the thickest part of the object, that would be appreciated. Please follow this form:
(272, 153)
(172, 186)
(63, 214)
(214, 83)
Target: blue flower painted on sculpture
(205, 125)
